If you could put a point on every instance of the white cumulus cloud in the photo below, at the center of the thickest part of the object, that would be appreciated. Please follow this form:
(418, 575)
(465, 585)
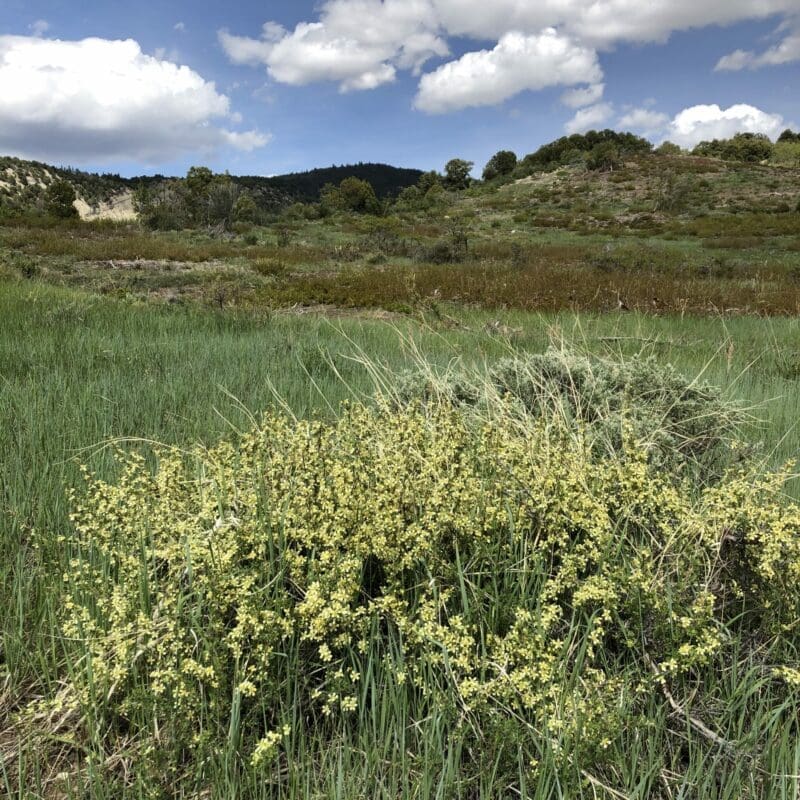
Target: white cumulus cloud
(516, 64)
(643, 120)
(604, 22)
(578, 98)
(359, 44)
(99, 100)
(590, 118)
(363, 44)
(704, 122)
(786, 51)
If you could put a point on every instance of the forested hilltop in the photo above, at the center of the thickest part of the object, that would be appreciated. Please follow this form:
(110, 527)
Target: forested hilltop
(24, 184)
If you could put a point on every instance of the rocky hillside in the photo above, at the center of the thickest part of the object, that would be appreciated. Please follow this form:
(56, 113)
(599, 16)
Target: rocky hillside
(23, 184)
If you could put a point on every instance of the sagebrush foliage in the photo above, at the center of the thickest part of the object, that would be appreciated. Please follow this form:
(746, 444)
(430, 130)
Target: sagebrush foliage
(677, 421)
(497, 569)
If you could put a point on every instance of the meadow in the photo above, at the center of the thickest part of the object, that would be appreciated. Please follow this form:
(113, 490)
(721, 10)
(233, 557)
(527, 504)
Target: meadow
(361, 595)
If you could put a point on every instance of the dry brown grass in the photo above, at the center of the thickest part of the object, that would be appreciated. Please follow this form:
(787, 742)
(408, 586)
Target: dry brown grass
(548, 286)
(130, 243)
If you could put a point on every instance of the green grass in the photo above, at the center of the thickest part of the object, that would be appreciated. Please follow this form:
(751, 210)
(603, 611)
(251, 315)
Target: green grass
(78, 371)
(115, 337)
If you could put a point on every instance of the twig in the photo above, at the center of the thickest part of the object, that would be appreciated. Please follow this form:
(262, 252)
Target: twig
(598, 783)
(697, 724)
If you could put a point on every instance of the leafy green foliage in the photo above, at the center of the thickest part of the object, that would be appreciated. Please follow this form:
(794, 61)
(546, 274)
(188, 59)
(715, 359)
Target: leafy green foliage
(353, 195)
(199, 180)
(456, 173)
(604, 157)
(668, 149)
(562, 150)
(59, 200)
(203, 199)
(163, 207)
(245, 208)
(748, 147)
(786, 153)
(426, 194)
(503, 162)
(428, 180)
(359, 196)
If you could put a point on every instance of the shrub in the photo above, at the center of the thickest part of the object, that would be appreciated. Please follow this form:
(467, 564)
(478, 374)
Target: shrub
(501, 163)
(245, 208)
(221, 203)
(163, 207)
(565, 149)
(668, 149)
(673, 193)
(604, 157)
(410, 198)
(352, 194)
(418, 566)
(680, 422)
(748, 147)
(59, 200)
(786, 153)
(359, 196)
(435, 196)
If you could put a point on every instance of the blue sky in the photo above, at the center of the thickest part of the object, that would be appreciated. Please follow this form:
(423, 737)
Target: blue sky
(408, 82)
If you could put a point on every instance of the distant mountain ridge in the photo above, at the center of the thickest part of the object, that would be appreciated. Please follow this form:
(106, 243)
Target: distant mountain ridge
(23, 183)
(388, 181)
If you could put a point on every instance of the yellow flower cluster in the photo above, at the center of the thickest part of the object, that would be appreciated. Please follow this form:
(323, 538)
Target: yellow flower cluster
(267, 748)
(499, 568)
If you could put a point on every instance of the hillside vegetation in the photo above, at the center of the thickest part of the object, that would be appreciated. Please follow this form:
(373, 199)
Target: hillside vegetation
(658, 232)
(23, 185)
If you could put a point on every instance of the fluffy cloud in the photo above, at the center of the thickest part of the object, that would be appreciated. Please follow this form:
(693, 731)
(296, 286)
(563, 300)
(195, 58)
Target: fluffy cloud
(360, 44)
(590, 118)
(517, 63)
(688, 128)
(643, 120)
(601, 21)
(578, 98)
(785, 52)
(700, 123)
(98, 100)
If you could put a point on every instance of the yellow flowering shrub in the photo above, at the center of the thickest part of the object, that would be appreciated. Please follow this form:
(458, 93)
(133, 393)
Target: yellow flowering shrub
(498, 569)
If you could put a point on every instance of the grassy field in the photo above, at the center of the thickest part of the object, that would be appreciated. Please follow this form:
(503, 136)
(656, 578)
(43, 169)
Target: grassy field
(115, 340)
(79, 372)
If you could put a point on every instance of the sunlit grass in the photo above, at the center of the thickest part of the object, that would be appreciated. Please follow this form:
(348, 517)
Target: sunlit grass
(78, 371)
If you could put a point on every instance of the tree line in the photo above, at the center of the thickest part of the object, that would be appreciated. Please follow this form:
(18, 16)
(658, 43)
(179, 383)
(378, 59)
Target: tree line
(204, 199)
